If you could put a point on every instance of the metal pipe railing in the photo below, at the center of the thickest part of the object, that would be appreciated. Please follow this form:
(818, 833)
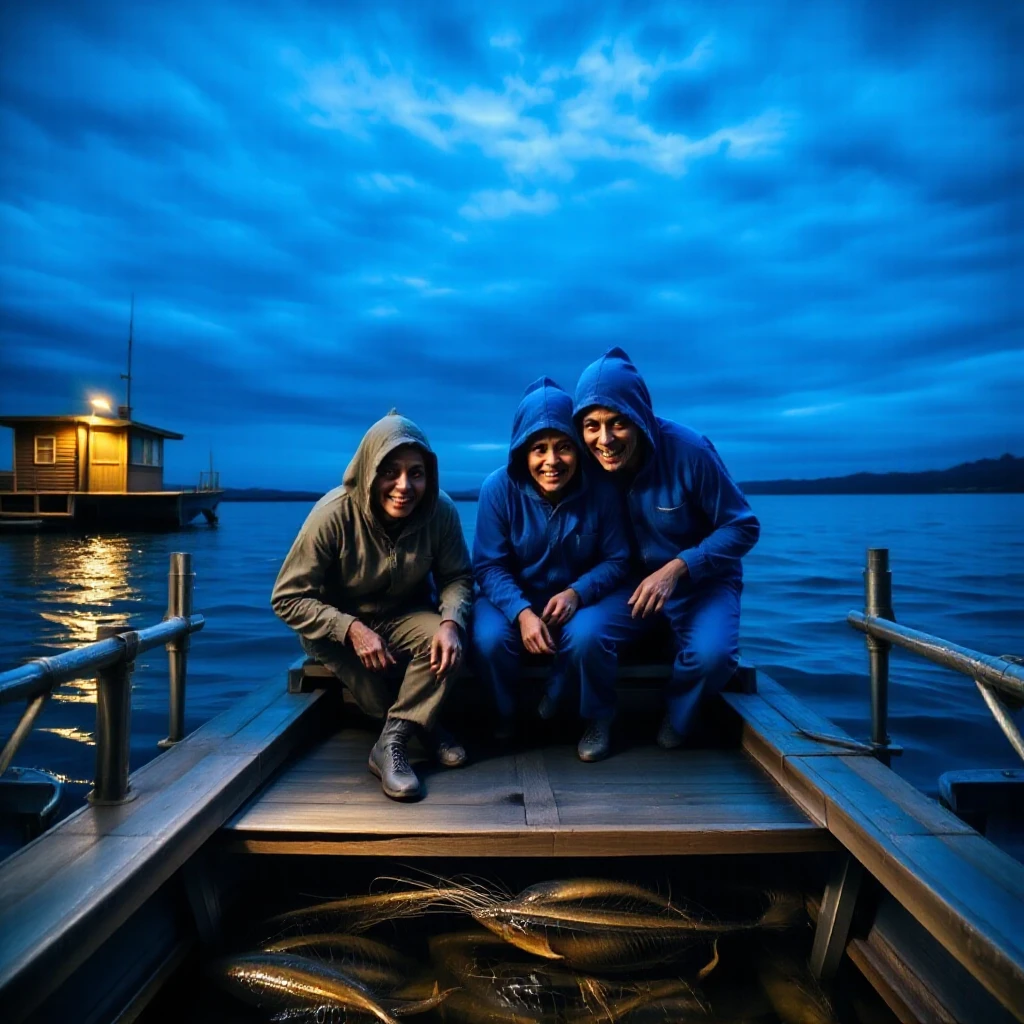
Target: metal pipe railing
(878, 604)
(114, 720)
(111, 659)
(21, 730)
(1002, 675)
(180, 583)
(1000, 679)
(43, 675)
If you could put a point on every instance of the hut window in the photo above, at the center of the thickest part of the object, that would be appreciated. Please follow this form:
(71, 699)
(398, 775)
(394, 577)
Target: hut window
(147, 451)
(46, 451)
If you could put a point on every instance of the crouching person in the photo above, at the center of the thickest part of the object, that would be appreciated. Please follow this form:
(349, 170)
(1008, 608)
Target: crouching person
(691, 527)
(549, 550)
(357, 588)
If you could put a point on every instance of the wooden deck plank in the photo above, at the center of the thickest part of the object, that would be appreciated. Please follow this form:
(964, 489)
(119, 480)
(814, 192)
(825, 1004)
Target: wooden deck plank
(706, 800)
(427, 816)
(597, 811)
(798, 713)
(650, 840)
(535, 787)
(970, 896)
(874, 798)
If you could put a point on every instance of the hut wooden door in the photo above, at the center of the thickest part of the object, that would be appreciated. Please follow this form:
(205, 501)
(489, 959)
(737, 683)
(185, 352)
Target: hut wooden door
(106, 460)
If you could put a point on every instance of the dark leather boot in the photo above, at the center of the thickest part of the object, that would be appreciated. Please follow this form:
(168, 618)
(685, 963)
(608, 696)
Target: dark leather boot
(596, 742)
(389, 761)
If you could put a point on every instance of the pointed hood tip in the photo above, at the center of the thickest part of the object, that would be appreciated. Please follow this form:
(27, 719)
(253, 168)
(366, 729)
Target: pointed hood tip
(390, 432)
(544, 406)
(542, 382)
(613, 382)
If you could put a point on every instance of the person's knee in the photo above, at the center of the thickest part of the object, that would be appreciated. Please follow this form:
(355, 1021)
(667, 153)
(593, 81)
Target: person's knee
(585, 638)
(712, 661)
(489, 640)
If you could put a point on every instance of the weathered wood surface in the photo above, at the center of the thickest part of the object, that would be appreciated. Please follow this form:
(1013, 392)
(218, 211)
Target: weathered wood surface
(538, 802)
(962, 889)
(63, 895)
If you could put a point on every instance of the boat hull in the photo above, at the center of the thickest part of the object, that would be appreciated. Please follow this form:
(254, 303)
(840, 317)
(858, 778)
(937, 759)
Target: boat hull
(150, 510)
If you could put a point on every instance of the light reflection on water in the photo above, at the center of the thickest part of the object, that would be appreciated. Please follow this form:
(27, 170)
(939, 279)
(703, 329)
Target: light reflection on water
(71, 733)
(82, 583)
(78, 581)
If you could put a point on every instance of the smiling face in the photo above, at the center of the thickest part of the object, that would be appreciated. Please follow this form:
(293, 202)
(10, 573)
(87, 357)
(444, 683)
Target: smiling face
(613, 439)
(551, 459)
(401, 482)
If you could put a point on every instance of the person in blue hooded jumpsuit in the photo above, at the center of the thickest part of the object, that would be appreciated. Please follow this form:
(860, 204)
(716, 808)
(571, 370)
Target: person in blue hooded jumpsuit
(691, 527)
(550, 546)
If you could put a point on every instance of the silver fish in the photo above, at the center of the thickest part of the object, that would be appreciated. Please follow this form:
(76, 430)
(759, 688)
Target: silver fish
(615, 932)
(376, 965)
(289, 985)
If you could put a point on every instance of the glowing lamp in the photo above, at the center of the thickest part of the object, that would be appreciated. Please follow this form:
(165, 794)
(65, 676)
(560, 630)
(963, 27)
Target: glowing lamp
(99, 404)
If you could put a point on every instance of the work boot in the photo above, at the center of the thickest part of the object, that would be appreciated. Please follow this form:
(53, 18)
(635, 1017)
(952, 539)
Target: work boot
(668, 738)
(389, 761)
(450, 752)
(596, 742)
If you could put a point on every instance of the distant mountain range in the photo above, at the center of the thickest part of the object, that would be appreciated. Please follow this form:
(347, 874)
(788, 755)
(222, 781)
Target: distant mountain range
(989, 476)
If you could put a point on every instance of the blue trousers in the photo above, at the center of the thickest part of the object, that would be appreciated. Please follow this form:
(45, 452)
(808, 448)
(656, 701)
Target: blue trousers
(705, 624)
(586, 657)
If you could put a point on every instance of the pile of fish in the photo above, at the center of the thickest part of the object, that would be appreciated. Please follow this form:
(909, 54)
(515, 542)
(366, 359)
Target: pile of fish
(580, 951)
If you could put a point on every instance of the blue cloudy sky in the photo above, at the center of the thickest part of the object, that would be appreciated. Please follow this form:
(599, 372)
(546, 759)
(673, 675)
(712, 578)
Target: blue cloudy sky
(802, 220)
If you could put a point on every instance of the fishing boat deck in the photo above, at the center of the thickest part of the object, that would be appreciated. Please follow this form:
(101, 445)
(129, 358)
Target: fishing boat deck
(535, 802)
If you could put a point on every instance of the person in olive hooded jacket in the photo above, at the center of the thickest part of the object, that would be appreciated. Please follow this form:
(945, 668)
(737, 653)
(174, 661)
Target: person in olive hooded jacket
(550, 547)
(691, 527)
(358, 587)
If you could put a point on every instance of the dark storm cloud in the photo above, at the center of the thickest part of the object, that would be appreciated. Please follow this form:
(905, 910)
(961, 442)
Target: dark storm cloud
(802, 221)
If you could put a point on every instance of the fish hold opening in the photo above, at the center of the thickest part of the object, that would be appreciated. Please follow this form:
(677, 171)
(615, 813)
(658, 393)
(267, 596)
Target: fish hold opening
(553, 941)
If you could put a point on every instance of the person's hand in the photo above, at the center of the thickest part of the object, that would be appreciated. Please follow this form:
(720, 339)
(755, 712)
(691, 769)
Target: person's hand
(535, 634)
(656, 589)
(445, 650)
(369, 647)
(561, 608)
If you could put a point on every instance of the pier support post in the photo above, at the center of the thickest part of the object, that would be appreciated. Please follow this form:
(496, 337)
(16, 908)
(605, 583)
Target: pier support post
(878, 604)
(114, 720)
(834, 918)
(180, 583)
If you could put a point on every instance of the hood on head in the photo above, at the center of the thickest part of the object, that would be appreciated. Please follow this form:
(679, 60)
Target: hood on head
(387, 434)
(544, 406)
(615, 383)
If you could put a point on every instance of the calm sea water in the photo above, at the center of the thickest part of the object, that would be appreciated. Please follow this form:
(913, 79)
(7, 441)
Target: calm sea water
(958, 572)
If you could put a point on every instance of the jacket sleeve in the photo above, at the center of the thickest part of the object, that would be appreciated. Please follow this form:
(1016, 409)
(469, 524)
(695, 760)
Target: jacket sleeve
(734, 527)
(297, 597)
(453, 570)
(614, 564)
(492, 553)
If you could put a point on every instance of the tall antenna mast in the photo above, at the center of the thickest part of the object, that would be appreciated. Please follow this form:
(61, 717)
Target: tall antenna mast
(128, 376)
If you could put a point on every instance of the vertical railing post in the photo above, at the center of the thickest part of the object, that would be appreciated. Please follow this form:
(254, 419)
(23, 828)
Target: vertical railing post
(114, 721)
(878, 603)
(180, 581)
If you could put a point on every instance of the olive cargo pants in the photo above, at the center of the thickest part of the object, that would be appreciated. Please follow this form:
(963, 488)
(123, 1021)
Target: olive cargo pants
(419, 694)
